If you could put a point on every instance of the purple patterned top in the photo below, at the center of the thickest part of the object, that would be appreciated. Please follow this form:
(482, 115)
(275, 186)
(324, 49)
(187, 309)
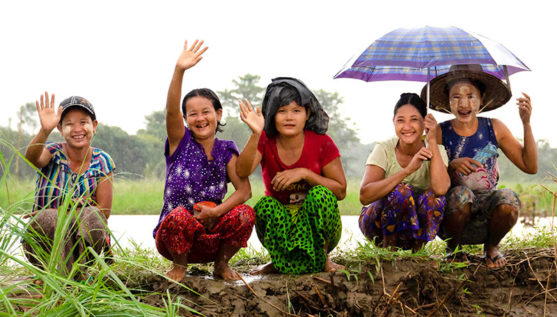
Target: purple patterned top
(191, 177)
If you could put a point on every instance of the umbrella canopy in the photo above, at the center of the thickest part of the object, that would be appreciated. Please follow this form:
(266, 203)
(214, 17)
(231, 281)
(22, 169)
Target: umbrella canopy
(419, 54)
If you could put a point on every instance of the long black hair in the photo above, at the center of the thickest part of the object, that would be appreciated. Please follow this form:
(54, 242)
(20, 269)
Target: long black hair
(284, 90)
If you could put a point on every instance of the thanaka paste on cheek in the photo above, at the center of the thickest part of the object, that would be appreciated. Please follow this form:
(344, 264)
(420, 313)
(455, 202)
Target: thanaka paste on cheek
(66, 130)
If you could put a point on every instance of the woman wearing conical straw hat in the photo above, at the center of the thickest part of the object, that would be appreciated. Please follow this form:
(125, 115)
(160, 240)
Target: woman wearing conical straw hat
(477, 212)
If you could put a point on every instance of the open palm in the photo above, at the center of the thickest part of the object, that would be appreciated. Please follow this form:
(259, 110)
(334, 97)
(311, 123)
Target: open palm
(191, 56)
(48, 116)
(253, 118)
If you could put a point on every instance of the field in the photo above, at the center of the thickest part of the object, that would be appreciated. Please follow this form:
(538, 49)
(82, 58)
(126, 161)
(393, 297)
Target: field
(144, 196)
(376, 282)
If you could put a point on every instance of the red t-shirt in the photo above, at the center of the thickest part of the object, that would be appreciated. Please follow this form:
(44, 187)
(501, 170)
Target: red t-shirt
(319, 150)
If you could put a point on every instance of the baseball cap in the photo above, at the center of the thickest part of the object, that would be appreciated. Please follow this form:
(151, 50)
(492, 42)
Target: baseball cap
(77, 102)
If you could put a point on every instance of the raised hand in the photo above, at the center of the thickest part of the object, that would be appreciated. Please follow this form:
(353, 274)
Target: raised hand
(48, 117)
(254, 119)
(465, 165)
(423, 154)
(283, 179)
(191, 56)
(524, 108)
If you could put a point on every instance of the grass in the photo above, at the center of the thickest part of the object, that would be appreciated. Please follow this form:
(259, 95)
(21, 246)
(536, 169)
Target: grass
(144, 196)
(107, 293)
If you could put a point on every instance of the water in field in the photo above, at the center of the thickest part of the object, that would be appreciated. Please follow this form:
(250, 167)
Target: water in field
(139, 229)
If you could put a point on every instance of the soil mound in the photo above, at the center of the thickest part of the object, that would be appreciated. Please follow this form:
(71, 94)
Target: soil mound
(526, 286)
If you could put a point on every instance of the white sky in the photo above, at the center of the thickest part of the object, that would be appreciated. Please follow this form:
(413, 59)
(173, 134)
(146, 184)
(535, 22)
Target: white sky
(120, 54)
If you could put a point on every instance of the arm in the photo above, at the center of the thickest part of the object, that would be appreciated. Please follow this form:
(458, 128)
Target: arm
(250, 156)
(524, 157)
(174, 117)
(36, 152)
(333, 178)
(440, 180)
(374, 184)
(241, 194)
(105, 194)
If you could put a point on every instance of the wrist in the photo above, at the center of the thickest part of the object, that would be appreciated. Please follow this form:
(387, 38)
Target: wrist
(179, 69)
(45, 132)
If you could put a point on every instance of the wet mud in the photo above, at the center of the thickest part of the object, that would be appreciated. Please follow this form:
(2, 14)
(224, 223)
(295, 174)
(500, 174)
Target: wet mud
(526, 286)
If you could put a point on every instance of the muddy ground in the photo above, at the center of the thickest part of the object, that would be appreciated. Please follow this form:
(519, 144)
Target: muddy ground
(527, 286)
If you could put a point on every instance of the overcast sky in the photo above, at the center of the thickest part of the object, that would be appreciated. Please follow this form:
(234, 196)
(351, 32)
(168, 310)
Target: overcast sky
(120, 54)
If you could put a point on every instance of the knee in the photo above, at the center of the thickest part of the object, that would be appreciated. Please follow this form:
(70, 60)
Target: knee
(246, 216)
(321, 194)
(265, 205)
(44, 222)
(506, 214)
(459, 197)
(401, 196)
(404, 190)
(319, 191)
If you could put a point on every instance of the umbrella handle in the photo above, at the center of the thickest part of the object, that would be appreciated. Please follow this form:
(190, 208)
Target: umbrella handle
(427, 101)
(507, 77)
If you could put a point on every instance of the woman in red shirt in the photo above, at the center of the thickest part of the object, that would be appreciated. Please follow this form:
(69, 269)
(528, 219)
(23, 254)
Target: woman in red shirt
(298, 220)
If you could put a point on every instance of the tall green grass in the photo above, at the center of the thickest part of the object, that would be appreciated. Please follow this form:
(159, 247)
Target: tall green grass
(62, 292)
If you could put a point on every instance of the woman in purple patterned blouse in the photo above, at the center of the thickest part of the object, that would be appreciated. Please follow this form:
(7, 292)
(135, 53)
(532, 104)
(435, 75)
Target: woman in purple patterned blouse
(196, 225)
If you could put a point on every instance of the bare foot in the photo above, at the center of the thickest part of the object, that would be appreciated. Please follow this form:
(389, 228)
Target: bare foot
(268, 268)
(494, 259)
(224, 271)
(38, 281)
(331, 266)
(177, 273)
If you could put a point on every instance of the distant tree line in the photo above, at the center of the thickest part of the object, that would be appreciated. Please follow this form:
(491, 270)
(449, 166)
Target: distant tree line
(141, 155)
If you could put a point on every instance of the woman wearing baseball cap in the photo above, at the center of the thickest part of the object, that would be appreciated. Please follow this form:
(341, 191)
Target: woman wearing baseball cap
(74, 178)
(477, 212)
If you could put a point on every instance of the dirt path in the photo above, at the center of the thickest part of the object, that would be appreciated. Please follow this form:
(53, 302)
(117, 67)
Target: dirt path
(527, 286)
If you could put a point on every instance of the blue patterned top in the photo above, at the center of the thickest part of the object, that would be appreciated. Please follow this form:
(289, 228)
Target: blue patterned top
(56, 180)
(481, 146)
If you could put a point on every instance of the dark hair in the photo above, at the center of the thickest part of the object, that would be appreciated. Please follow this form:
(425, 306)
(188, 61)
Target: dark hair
(476, 83)
(285, 97)
(205, 93)
(284, 90)
(413, 99)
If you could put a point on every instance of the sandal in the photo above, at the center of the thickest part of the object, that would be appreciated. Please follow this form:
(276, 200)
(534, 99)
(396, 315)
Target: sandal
(494, 259)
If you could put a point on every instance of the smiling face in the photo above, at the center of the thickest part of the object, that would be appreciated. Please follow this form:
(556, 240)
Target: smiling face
(290, 120)
(465, 100)
(201, 117)
(77, 128)
(409, 124)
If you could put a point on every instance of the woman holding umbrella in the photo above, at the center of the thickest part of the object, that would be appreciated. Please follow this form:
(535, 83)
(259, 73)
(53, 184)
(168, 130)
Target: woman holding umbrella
(477, 212)
(404, 182)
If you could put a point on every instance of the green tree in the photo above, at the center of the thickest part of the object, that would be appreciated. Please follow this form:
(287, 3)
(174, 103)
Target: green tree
(27, 117)
(154, 136)
(155, 125)
(130, 153)
(353, 153)
(245, 86)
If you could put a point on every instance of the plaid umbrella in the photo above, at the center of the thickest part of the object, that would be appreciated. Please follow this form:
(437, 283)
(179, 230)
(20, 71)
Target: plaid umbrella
(420, 54)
